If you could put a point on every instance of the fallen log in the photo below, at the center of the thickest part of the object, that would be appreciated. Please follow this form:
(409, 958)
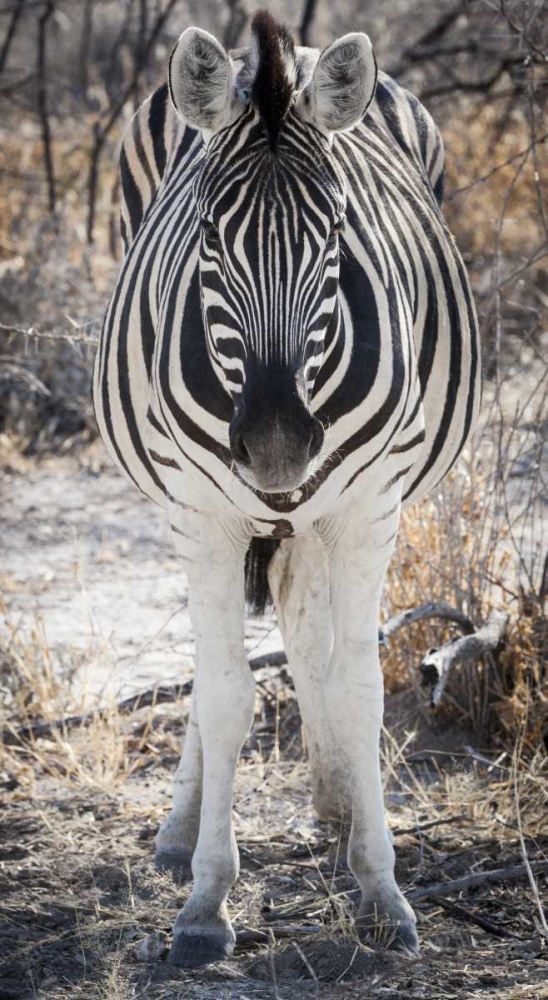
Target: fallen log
(438, 664)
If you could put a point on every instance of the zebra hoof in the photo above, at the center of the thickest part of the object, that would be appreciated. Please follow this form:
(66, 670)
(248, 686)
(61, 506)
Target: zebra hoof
(192, 949)
(406, 938)
(394, 928)
(169, 859)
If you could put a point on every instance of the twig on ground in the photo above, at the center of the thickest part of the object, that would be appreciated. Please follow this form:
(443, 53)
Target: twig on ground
(494, 875)
(438, 664)
(474, 918)
(252, 936)
(309, 969)
(153, 696)
(402, 831)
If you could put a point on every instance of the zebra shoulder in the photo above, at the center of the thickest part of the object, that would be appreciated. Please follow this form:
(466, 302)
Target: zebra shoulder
(145, 151)
(414, 129)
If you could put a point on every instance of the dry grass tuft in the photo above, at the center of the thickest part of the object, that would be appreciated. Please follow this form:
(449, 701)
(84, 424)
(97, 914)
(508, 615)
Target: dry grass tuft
(480, 542)
(99, 756)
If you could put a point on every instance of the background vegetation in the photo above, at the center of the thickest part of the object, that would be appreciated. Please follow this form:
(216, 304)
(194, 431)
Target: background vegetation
(72, 72)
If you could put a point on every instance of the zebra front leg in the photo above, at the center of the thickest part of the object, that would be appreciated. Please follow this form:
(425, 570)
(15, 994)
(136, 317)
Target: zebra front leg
(177, 837)
(359, 554)
(178, 834)
(224, 708)
(298, 576)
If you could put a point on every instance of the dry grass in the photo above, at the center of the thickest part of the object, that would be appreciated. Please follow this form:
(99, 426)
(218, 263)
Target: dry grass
(503, 209)
(82, 806)
(480, 543)
(84, 830)
(97, 757)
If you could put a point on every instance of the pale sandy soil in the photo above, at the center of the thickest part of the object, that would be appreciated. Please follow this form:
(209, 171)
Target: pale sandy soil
(93, 561)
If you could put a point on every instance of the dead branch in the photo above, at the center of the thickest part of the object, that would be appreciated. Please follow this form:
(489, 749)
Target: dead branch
(430, 36)
(438, 664)
(537, 141)
(543, 592)
(85, 48)
(72, 338)
(43, 109)
(306, 21)
(101, 131)
(474, 918)
(153, 696)
(252, 936)
(11, 370)
(483, 86)
(10, 33)
(11, 88)
(434, 609)
(526, 863)
(276, 659)
(238, 17)
(402, 831)
(496, 875)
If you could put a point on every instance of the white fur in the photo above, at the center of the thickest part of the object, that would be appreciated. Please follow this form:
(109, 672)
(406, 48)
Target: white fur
(201, 82)
(327, 587)
(342, 85)
(213, 553)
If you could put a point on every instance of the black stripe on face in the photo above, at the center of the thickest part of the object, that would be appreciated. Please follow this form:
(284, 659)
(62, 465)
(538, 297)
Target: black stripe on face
(278, 266)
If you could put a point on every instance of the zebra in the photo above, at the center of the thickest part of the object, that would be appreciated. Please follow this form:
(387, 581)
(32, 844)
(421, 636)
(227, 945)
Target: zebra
(290, 357)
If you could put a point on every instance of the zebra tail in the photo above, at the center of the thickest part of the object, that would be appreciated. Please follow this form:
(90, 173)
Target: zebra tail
(257, 560)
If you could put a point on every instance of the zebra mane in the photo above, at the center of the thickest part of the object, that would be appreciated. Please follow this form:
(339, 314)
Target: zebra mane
(275, 72)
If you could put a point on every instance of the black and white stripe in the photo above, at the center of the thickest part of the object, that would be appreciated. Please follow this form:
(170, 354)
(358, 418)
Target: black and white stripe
(337, 254)
(291, 350)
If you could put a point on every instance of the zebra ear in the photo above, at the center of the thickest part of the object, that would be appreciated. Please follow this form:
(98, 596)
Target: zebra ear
(342, 85)
(201, 81)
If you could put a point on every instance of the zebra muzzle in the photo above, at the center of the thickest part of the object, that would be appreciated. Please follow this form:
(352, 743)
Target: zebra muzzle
(275, 452)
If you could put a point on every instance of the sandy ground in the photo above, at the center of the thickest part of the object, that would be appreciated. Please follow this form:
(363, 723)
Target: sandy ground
(90, 559)
(84, 915)
(79, 897)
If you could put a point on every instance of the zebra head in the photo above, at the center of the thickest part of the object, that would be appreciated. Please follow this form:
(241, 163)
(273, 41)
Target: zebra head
(271, 202)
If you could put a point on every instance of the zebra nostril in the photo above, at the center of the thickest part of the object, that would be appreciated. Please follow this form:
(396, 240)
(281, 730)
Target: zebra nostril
(239, 450)
(316, 439)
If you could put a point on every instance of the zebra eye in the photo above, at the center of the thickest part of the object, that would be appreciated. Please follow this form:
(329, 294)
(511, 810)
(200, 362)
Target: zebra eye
(211, 234)
(335, 232)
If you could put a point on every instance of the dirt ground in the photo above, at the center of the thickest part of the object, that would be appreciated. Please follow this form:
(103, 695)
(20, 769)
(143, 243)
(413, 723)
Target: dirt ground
(90, 558)
(84, 914)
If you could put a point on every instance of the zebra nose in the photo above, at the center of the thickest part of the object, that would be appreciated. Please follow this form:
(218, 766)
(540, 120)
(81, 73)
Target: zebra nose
(243, 446)
(239, 448)
(316, 439)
